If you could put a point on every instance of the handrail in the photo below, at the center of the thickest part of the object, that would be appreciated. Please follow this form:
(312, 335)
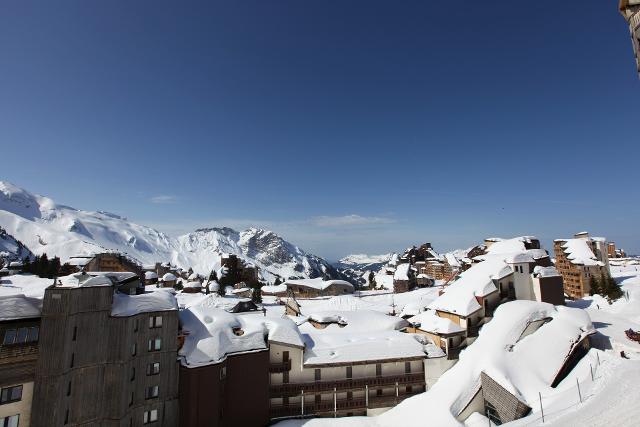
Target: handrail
(293, 389)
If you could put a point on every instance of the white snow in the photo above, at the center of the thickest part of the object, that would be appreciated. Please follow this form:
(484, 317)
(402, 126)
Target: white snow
(430, 322)
(150, 275)
(19, 306)
(129, 305)
(318, 283)
(579, 252)
(402, 272)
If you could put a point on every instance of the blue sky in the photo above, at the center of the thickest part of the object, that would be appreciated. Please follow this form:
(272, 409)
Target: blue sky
(346, 126)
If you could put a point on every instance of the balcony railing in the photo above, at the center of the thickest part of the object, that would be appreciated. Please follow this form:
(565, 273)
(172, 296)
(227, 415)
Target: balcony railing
(275, 368)
(329, 406)
(294, 389)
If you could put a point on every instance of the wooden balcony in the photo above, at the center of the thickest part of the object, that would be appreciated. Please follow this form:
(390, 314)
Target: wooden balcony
(294, 389)
(278, 368)
(341, 405)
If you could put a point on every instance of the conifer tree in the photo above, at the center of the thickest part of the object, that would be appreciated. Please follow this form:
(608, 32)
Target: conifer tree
(595, 286)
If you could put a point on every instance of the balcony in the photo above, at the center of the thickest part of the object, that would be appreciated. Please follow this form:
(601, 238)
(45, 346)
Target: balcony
(278, 368)
(328, 406)
(294, 389)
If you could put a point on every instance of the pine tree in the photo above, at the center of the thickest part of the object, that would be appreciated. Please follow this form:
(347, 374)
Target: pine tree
(613, 291)
(277, 281)
(595, 286)
(372, 280)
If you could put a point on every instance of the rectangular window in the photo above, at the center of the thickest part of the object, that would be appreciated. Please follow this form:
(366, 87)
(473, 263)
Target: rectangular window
(318, 375)
(349, 372)
(155, 322)
(22, 335)
(34, 334)
(135, 325)
(407, 367)
(150, 416)
(69, 388)
(151, 392)
(73, 358)
(11, 421)
(378, 370)
(223, 373)
(155, 344)
(153, 368)
(11, 394)
(9, 336)
(349, 395)
(133, 349)
(75, 333)
(133, 374)
(285, 356)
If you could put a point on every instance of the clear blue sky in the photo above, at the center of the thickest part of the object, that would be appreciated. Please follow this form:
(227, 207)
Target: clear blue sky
(346, 126)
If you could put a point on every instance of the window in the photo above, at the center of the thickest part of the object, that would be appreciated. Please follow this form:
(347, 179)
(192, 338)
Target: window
(133, 349)
(153, 368)
(285, 377)
(66, 416)
(379, 392)
(150, 416)
(349, 372)
(349, 395)
(155, 344)
(135, 325)
(69, 388)
(285, 356)
(155, 322)
(407, 367)
(318, 375)
(9, 337)
(20, 336)
(73, 357)
(133, 374)
(10, 394)
(378, 370)
(11, 421)
(151, 392)
(223, 373)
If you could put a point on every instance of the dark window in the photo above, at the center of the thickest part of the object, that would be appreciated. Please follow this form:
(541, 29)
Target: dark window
(133, 374)
(155, 344)
(150, 416)
(349, 372)
(151, 392)
(349, 395)
(409, 389)
(378, 370)
(9, 336)
(11, 394)
(75, 333)
(11, 421)
(318, 375)
(22, 335)
(285, 356)
(34, 333)
(155, 321)
(379, 392)
(153, 368)
(318, 398)
(407, 367)
(69, 388)
(73, 357)
(66, 417)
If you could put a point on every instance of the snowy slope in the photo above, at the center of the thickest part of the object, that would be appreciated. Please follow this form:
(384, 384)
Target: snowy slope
(12, 249)
(356, 265)
(47, 227)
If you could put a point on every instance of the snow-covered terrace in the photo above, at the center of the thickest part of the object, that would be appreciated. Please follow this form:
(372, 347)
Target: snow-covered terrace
(318, 283)
(358, 336)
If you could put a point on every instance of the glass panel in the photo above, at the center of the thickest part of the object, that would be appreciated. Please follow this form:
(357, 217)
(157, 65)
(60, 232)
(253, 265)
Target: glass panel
(33, 334)
(13, 421)
(158, 321)
(22, 335)
(154, 415)
(16, 392)
(9, 336)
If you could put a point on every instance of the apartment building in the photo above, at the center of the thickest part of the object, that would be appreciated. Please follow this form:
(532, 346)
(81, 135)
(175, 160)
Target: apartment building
(19, 331)
(107, 354)
(579, 260)
(630, 10)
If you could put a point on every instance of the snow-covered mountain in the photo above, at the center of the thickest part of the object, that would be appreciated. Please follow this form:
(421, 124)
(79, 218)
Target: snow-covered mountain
(12, 249)
(46, 227)
(354, 266)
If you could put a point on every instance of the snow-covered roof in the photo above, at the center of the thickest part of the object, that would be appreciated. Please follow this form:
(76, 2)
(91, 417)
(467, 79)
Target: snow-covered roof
(524, 366)
(430, 322)
(194, 276)
(402, 272)
(19, 306)
(148, 302)
(579, 252)
(274, 289)
(79, 261)
(210, 333)
(452, 260)
(545, 271)
(97, 281)
(214, 286)
(362, 335)
(460, 296)
(318, 283)
(150, 275)
(195, 285)
(169, 277)
(519, 258)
